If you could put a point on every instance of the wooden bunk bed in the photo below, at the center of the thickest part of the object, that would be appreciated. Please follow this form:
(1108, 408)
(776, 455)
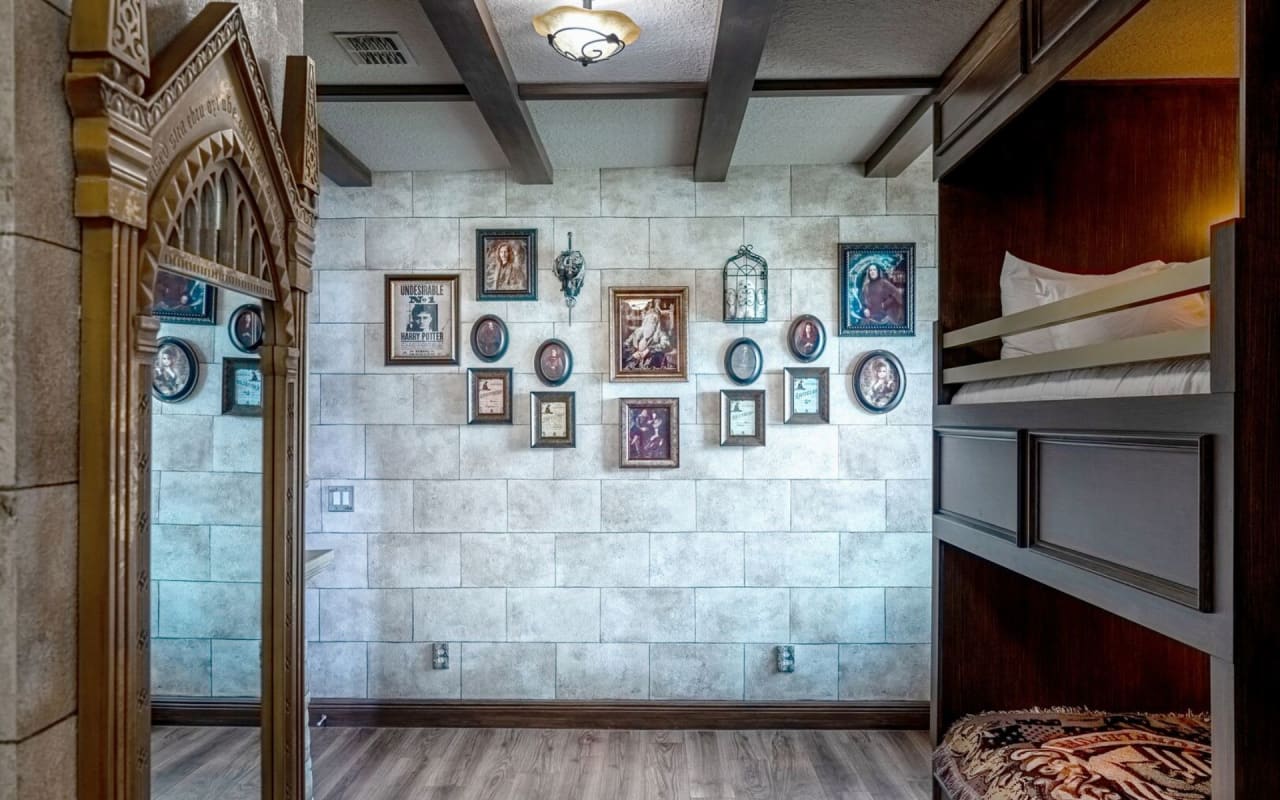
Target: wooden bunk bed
(1111, 552)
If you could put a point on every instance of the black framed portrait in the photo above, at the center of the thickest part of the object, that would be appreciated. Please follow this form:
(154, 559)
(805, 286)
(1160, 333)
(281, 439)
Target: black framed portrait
(507, 264)
(552, 419)
(877, 289)
(743, 361)
(184, 300)
(489, 396)
(242, 387)
(807, 338)
(650, 432)
(553, 362)
(489, 338)
(742, 420)
(246, 328)
(806, 398)
(879, 381)
(176, 370)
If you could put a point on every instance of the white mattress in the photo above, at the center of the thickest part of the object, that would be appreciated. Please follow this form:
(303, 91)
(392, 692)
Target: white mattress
(1171, 376)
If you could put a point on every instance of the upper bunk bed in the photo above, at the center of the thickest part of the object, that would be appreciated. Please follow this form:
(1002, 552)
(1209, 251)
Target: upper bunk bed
(1106, 478)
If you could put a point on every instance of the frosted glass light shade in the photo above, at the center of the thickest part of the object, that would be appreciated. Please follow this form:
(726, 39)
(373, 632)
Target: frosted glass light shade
(586, 35)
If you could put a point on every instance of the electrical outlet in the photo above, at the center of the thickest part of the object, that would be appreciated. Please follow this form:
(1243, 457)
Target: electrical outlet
(786, 656)
(341, 498)
(440, 655)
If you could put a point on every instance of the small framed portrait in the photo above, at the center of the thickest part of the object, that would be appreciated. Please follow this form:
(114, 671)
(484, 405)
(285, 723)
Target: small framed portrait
(742, 418)
(743, 361)
(176, 370)
(877, 289)
(807, 338)
(648, 333)
(553, 362)
(422, 319)
(507, 264)
(184, 300)
(489, 338)
(242, 387)
(489, 396)
(806, 394)
(650, 431)
(552, 419)
(879, 382)
(245, 327)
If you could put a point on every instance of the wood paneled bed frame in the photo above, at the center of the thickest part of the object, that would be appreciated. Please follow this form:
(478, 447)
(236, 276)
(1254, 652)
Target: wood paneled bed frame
(1118, 553)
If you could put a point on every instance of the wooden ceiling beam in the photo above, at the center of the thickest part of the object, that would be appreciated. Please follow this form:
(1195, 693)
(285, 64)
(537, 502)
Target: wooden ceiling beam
(469, 35)
(453, 92)
(340, 165)
(740, 37)
(904, 144)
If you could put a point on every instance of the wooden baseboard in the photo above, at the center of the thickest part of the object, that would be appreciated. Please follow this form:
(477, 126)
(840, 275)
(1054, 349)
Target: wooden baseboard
(361, 713)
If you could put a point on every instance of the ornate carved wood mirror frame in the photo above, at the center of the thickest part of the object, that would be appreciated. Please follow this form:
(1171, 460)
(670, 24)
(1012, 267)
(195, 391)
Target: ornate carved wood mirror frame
(159, 145)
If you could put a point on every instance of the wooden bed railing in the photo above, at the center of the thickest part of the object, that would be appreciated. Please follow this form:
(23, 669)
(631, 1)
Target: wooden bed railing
(1182, 279)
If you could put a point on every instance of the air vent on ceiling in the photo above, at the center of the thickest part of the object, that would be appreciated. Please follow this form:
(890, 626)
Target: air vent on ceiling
(375, 49)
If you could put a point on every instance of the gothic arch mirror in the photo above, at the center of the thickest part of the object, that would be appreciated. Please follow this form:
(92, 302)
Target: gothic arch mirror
(193, 204)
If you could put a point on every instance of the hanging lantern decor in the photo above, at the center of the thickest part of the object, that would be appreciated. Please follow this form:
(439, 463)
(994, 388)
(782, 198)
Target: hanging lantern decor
(746, 287)
(570, 269)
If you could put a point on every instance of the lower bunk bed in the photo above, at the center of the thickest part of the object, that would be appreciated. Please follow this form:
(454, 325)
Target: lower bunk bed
(1083, 526)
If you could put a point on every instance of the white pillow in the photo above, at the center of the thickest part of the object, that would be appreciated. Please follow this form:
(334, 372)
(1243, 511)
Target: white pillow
(1178, 313)
(1023, 285)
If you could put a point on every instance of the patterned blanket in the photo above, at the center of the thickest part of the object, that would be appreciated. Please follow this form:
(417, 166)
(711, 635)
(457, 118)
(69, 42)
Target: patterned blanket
(1076, 755)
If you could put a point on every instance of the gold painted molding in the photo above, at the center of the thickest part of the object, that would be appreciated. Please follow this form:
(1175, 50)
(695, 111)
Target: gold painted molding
(143, 160)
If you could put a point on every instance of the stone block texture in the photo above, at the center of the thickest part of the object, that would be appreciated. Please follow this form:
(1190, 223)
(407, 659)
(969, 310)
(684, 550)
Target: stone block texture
(555, 574)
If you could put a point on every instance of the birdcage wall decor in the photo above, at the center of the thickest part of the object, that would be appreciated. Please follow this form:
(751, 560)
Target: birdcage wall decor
(746, 287)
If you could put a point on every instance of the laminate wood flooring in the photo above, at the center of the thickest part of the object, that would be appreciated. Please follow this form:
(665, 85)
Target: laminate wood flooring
(538, 764)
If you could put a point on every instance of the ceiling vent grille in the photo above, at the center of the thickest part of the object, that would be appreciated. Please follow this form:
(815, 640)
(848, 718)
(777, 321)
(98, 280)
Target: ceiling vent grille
(375, 49)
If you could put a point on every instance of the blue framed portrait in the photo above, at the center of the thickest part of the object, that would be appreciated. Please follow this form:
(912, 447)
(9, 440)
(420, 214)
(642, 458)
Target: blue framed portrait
(877, 289)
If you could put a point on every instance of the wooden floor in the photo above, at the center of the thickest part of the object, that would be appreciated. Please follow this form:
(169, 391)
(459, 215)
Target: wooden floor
(489, 764)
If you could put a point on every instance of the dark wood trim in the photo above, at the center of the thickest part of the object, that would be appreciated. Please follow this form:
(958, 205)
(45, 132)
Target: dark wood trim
(469, 35)
(740, 36)
(242, 712)
(392, 93)
(613, 91)
(362, 713)
(844, 87)
(904, 144)
(455, 92)
(340, 165)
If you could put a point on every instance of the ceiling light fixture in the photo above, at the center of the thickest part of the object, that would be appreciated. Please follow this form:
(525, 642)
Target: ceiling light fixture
(584, 34)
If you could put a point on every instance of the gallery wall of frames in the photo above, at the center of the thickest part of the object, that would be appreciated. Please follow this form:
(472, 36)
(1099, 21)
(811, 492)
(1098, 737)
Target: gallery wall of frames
(726, 450)
(206, 559)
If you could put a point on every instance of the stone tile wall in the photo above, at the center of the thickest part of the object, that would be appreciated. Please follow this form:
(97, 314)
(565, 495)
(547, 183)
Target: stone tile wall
(40, 372)
(206, 547)
(555, 574)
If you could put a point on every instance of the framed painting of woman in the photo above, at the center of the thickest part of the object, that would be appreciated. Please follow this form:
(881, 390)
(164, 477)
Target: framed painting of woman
(877, 289)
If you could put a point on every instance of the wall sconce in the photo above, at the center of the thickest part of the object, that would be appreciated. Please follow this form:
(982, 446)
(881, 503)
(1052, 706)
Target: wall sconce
(746, 287)
(570, 266)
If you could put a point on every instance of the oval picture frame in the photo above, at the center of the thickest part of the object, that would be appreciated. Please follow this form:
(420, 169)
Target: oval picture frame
(550, 373)
(246, 329)
(172, 386)
(878, 394)
(735, 373)
(483, 344)
(806, 346)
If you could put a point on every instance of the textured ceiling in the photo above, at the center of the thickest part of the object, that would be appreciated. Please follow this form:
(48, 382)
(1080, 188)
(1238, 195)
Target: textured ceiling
(324, 18)
(618, 133)
(862, 38)
(1170, 39)
(401, 136)
(817, 130)
(676, 39)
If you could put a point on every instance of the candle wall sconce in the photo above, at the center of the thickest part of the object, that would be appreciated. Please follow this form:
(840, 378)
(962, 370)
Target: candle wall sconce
(570, 269)
(746, 287)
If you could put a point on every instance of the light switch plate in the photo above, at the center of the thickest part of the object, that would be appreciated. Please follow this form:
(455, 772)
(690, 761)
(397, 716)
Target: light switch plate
(341, 498)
